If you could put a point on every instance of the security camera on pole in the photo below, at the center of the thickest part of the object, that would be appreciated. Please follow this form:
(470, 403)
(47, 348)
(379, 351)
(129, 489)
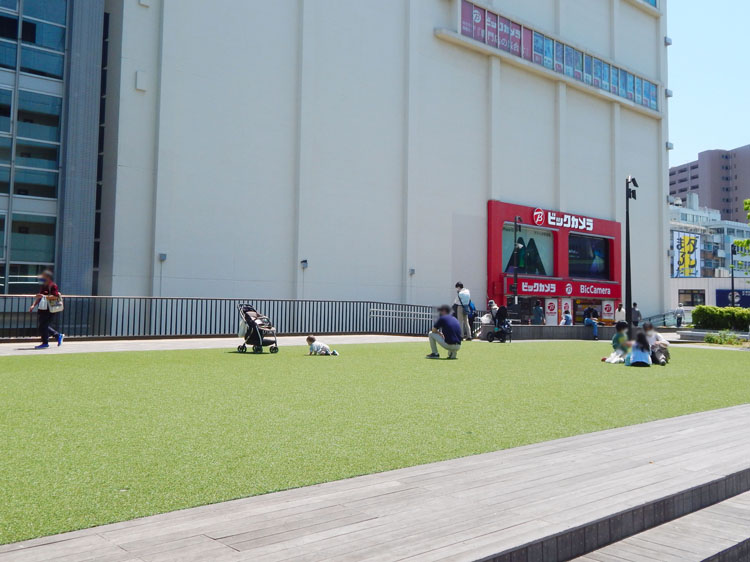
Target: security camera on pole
(629, 194)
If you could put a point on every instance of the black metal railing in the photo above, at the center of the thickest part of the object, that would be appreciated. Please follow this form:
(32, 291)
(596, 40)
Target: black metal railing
(145, 317)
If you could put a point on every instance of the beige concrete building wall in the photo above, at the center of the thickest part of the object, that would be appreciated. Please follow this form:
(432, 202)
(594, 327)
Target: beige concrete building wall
(365, 138)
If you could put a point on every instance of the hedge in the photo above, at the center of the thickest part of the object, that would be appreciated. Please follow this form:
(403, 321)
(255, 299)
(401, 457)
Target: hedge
(717, 318)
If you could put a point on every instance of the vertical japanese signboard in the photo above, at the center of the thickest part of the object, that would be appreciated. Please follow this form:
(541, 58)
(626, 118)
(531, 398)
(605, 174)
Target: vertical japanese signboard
(638, 91)
(687, 255)
(549, 53)
(559, 57)
(538, 48)
(515, 39)
(467, 18)
(527, 46)
(597, 73)
(491, 29)
(478, 19)
(503, 33)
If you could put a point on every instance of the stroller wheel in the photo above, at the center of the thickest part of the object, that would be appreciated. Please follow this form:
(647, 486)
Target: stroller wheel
(274, 349)
(491, 336)
(242, 348)
(257, 349)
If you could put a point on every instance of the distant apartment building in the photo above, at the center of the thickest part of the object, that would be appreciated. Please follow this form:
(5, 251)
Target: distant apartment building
(700, 254)
(720, 178)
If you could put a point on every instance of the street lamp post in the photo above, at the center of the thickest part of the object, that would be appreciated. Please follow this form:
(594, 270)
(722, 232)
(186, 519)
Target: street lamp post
(629, 194)
(516, 227)
(732, 253)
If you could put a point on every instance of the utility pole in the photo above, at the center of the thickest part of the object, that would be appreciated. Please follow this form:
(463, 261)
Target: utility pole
(516, 228)
(629, 194)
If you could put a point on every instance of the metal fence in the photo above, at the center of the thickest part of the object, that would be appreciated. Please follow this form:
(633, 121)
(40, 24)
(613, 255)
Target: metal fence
(668, 319)
(144, 317)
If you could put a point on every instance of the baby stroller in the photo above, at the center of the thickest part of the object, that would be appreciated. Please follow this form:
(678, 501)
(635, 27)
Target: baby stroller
(257, 330)
(503, 330)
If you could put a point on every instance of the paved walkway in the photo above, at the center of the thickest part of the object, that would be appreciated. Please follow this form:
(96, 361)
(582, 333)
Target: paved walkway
(27, 348)
(459, 510)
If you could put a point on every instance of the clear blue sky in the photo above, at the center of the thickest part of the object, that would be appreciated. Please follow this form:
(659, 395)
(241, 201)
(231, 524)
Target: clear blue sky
(709, 74)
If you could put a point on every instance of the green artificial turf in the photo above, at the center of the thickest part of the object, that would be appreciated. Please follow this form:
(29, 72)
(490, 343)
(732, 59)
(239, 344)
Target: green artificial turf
(94, 438)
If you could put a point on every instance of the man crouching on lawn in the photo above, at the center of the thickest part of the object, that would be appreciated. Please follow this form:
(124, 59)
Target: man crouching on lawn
(446, 333)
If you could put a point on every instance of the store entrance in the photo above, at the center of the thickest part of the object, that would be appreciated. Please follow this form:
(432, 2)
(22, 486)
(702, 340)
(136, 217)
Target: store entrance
(579, 305)
(523, 312)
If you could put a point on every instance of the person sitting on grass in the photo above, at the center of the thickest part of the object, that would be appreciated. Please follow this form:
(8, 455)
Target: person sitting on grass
(446, 333)
(640, 353)
(659, 345)
(619, 344)
(318, 347)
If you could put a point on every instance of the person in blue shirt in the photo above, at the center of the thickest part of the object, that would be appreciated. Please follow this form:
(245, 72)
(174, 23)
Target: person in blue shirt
(567, 319)
(591, 318)
(640, 354)
(537, 313)
(446, 333)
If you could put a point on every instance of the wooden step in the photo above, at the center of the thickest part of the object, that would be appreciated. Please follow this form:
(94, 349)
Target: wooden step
(718, 533)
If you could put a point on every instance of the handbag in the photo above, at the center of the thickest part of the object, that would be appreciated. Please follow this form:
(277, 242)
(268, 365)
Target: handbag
(55, 304)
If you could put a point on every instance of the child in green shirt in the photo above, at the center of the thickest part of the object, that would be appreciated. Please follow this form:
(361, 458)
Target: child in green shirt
(619, 344)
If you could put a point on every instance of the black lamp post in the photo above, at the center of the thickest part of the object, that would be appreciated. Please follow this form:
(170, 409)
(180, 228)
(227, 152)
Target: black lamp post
(516, 246)
(629, 194)
(732, 253)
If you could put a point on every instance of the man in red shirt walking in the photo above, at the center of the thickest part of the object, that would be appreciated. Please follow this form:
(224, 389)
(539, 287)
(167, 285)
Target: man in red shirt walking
(48, 288)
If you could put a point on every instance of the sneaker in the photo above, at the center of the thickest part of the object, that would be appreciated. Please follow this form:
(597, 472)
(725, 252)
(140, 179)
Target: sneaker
(335, 353)
(432, 356)
(596, 338)
(42, 346)
(60, 338)
(663, 363)
(452, 356)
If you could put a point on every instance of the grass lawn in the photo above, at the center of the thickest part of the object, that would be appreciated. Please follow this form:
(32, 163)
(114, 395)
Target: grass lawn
(94, 438)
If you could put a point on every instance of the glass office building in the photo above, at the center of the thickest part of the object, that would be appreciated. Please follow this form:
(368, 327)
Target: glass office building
(35, 73)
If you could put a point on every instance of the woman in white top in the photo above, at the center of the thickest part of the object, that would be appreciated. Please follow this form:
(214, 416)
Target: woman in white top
(659, 345)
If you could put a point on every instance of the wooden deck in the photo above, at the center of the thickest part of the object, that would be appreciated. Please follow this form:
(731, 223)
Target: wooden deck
(549, 501)
(720, 532)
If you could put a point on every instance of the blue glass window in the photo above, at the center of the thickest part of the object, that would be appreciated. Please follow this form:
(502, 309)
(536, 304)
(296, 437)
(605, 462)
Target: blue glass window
(9, 27)
(39, 116)
(5, 97)
(41, 62)
(43, 34)
(5, 147)
(23, 278)
(2, 236)
(32, 238)
(48, 10)
(35, 183)
(4, 182)
(9, 4)
(7, 55)
(36, 154)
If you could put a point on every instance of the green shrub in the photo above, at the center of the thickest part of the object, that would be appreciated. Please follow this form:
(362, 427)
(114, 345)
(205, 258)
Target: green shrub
(725, 337)
(726, 318)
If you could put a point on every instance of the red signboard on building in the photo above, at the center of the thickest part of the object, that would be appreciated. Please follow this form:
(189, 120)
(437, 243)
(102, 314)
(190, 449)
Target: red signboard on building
(559, 254)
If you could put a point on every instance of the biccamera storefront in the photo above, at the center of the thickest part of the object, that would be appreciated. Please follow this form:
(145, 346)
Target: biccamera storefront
(565, 260)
